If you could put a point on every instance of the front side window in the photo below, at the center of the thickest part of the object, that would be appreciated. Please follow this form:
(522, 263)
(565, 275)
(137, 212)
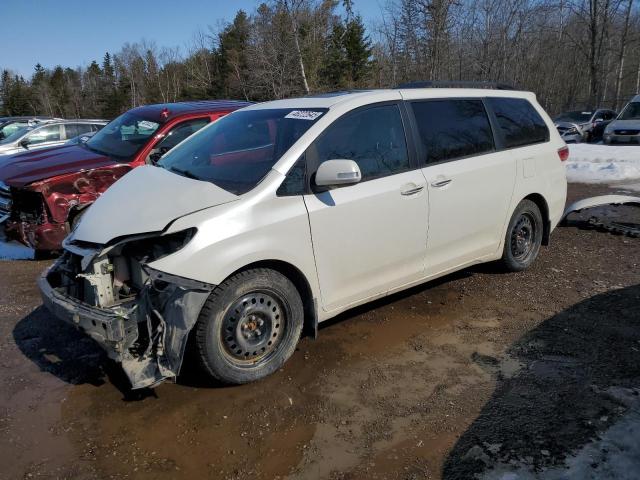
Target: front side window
(519, 122)
(177, 134)
(373, 137)
(123, 137)
(451, 129)
(237, 151)
(50, 133)
(631, 112)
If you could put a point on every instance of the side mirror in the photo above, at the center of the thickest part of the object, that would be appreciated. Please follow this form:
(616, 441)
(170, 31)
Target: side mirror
(598, 120)
(337, 172)
(25, 144)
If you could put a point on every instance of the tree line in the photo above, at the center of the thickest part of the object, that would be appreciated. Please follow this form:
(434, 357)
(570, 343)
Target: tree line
(573, 54)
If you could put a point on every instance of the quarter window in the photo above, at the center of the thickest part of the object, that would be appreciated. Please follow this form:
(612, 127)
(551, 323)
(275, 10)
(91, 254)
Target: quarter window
(74, 130)
(519, 122)
(451, 129)
(373, 138)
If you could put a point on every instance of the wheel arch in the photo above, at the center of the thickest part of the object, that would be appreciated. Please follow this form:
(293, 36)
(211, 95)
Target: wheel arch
(542, 204)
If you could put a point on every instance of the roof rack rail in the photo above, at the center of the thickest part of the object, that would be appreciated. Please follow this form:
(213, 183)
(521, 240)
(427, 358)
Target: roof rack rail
(456, 84)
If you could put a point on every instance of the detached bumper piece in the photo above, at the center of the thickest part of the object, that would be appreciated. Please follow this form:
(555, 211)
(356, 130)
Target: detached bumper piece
(147, 335)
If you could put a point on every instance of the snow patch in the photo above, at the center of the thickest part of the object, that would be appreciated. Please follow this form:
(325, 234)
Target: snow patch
(602, 163)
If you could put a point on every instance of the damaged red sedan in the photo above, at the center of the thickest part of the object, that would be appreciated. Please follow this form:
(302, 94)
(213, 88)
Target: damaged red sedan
(44, 193)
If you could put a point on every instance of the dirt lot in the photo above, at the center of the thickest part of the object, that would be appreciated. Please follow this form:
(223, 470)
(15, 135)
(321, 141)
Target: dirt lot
(516, 375)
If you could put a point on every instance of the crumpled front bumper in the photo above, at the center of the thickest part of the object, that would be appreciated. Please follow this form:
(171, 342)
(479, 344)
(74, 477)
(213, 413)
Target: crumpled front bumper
(175, 308)
(46, 236)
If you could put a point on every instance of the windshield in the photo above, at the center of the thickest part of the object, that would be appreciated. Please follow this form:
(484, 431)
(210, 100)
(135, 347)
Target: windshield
(631, 112)
(237, 151)
(123, 137)
(12, 132)
(575, 117)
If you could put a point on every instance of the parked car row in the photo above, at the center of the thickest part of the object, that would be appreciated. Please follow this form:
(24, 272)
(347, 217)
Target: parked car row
(279, 215)
(601, 125)
(35, 134)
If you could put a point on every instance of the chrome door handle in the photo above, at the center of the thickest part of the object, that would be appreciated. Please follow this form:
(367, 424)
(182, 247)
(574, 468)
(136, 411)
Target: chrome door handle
(441, 183)
(412, 191)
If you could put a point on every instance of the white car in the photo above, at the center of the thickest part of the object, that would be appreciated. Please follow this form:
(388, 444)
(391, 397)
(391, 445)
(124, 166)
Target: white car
(283, 214)
(48, 133)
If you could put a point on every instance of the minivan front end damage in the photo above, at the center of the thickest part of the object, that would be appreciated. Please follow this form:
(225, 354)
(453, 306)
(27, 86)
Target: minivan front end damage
(140, 316)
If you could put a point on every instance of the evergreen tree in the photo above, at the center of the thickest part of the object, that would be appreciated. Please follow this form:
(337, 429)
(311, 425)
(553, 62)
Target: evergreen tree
(231, 58)
(335, 66)
(357, 49)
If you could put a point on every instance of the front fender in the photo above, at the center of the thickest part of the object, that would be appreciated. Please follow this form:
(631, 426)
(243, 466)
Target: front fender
(232, 236)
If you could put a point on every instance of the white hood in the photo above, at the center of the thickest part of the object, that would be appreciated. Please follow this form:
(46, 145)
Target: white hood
(145, 200)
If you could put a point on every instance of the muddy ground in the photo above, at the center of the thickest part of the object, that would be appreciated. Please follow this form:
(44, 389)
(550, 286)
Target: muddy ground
(525, 375)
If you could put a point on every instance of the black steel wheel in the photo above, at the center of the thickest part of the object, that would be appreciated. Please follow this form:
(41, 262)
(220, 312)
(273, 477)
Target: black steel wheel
(249, 326)
(252, 328)
(524, 237)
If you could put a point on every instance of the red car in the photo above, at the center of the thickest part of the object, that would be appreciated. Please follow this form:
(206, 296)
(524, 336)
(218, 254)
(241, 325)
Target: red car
(43, 193)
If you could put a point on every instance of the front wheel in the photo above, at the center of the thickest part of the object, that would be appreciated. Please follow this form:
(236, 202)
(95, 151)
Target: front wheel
(523, 238)
(249, 326)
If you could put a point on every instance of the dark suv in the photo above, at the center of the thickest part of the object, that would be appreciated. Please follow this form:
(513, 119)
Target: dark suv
(43, 193)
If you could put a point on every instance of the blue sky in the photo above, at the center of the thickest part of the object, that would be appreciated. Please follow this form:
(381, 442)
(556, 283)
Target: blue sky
(74, 32)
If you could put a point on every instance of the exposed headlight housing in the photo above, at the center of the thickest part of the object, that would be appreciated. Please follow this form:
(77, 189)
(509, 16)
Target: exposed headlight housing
(151, 248)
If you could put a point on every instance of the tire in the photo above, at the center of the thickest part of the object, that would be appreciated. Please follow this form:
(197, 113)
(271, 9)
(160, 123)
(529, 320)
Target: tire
(249, 326)
(523, 237)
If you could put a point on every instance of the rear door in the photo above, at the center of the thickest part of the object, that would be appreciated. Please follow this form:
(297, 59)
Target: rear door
(370, 237)
(470, 183)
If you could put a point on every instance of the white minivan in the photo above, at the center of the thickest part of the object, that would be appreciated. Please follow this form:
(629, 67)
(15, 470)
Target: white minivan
(283, 214)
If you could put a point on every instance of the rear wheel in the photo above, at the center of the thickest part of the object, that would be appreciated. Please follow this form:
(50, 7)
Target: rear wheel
(249, 326)
(523, 238)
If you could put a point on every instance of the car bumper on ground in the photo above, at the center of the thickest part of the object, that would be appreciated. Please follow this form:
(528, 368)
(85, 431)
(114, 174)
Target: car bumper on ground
(163, 319)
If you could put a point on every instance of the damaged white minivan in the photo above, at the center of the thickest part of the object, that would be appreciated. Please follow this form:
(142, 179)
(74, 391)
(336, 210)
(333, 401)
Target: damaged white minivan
(283, 214)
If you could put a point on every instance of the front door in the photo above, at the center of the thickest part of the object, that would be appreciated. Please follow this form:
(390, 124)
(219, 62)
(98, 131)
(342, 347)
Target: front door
(370, 237)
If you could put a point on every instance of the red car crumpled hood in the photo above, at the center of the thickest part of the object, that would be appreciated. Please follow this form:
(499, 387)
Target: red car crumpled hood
(28, 167)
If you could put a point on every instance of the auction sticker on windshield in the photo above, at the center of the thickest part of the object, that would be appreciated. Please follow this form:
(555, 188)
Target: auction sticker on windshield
(303, 114)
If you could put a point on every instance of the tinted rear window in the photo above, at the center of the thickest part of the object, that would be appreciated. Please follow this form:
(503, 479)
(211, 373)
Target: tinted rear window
(519, 122)
(452, 129)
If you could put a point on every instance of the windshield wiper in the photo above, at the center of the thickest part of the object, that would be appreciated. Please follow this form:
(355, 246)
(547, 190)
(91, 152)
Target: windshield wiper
(184, 172)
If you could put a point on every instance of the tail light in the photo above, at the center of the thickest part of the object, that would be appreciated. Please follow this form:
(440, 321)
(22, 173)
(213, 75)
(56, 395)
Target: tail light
(563, 153)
